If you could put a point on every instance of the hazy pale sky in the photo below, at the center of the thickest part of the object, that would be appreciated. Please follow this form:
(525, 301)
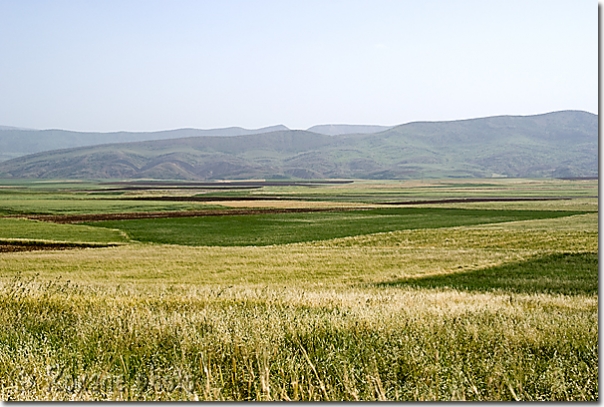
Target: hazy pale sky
(142, 65)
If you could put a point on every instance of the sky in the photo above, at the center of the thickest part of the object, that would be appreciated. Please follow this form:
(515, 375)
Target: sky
(145, 65)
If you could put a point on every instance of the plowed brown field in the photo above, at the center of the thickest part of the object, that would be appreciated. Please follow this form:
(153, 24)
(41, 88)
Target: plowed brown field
(97, 217)
(11, 247)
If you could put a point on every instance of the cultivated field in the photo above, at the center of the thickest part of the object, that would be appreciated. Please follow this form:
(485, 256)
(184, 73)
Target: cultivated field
(417, 290)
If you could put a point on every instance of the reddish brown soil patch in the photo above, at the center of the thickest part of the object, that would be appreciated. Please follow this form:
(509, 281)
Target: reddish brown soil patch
(11, 247)
(208, 198)
(97, 217)
(270, 198)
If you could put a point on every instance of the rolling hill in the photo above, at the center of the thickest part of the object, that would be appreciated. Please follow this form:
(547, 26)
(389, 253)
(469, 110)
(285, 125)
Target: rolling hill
(558, 144)
(340, 129)
(16, 142)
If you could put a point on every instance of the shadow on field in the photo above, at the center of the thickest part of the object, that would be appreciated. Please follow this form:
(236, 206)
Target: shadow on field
(561, 273)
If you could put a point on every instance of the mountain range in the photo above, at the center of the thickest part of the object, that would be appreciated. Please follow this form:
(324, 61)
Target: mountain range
(15, 142)
(558, 144)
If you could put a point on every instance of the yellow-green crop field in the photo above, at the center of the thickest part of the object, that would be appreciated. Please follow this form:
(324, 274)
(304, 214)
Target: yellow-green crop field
(480, 297)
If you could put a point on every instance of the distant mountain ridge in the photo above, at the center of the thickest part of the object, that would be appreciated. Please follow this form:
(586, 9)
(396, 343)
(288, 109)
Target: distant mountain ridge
(340, 129)
(558, 144)
(10, 128)
(16, 142)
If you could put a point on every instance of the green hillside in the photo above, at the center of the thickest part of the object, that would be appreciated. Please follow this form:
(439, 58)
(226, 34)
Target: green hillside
(559, 144)
(15, 142)
(339, 129)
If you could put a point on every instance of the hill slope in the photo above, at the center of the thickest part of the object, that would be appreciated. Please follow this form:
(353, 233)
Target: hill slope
(339, 129)
(15, 142)
(559, 144)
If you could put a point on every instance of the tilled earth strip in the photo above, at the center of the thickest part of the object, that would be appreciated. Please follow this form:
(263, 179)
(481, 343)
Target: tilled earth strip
(406, 202)
(12, 247)
(97, 217)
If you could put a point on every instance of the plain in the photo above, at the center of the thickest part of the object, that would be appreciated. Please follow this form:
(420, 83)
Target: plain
(473, 298)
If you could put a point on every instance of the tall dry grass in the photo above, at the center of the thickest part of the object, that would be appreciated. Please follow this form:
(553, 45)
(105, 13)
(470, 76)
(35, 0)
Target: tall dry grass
(65, 342)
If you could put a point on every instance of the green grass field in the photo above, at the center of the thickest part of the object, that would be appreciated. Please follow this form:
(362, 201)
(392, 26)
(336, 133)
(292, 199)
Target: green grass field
(560, 273)
(460, 301)
(261, 230)
(58, 204)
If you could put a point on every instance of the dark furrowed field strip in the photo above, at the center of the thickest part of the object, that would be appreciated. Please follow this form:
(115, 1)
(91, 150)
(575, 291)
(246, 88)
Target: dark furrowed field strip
(28, 246)
(296, 198)
(97, 217)
(13, 248)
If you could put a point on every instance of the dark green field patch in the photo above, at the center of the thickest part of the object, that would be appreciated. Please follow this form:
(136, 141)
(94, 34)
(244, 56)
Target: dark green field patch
(560, 273)
(283, 228)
